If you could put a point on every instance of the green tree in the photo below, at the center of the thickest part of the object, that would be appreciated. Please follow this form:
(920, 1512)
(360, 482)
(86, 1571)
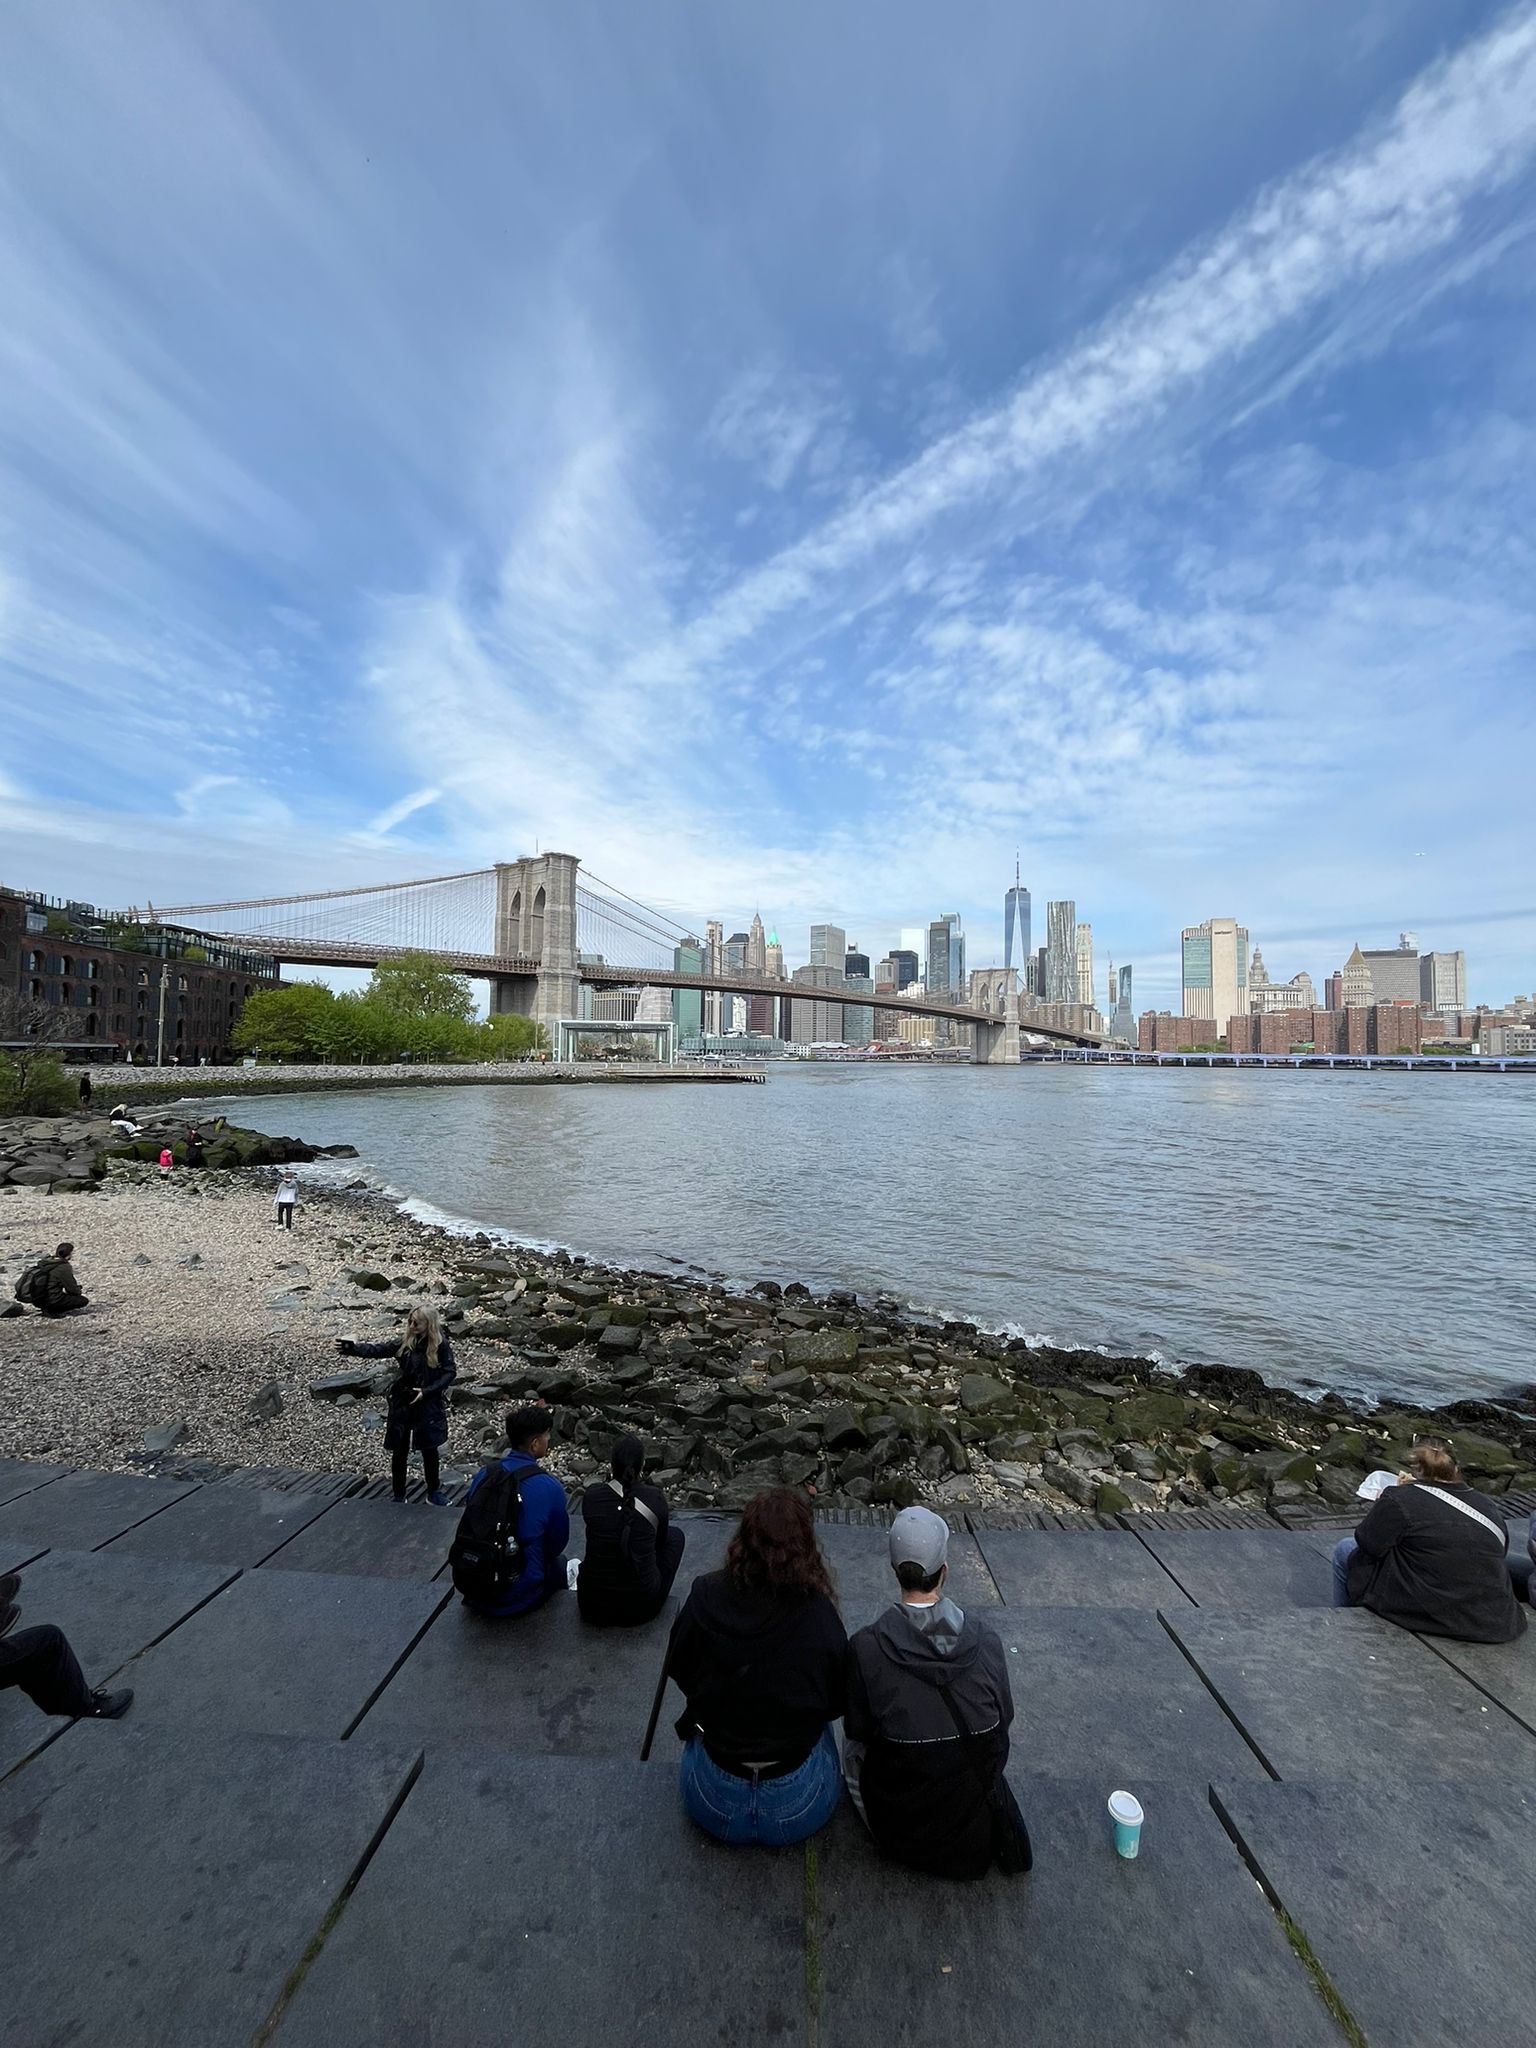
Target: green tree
(416, 986)
(285, 1023)
(357, 1031)
(35, 1085)
(510, 1037)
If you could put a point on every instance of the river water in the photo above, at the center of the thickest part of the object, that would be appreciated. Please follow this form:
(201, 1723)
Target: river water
(1369, 1232)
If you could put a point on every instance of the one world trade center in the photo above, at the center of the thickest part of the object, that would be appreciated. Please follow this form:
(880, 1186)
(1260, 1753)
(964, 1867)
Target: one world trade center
(1016, 912)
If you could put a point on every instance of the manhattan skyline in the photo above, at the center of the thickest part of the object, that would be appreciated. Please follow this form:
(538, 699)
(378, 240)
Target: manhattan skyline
(790, 462)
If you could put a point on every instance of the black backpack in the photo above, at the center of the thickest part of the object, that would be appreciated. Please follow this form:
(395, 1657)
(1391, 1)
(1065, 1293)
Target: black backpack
(487, 1557)
(33, 1284)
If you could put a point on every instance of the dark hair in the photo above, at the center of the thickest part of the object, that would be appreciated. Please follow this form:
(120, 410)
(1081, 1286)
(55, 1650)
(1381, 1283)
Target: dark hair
(775, 1550)
(64, 1251)
(627, 1463)
(526, 1425)
(1435, 1463)
(913, 1579)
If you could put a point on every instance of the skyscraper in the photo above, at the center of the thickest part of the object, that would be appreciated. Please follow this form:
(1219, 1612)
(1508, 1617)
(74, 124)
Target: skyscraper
(774, 958)
(946, 966)
(1215, 971)
(714, 961)
(858, 1024)
(1085, 965)
(1443, 981)
(1016, 915)
(1061, 952)
(1122, 1021)
(908, 968)
(688, 1003)
(757, 947)
(829, 946)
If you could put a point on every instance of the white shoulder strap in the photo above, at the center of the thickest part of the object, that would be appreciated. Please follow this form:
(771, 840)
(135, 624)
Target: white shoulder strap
(638, 1504)
(1464, 1508)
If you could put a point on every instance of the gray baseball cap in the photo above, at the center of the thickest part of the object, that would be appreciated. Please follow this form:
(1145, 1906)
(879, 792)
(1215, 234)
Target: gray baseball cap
(920, 1537)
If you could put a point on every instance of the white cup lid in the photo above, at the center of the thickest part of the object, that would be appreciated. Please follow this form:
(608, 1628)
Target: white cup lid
(1125, 1807)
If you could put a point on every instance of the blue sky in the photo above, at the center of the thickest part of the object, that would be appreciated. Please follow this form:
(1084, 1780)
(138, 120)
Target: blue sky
(789, 456)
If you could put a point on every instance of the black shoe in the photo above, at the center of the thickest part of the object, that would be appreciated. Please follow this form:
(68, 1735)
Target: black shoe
(438, 1498)
(10, 1614)
(10, 1586)
(109, 1706)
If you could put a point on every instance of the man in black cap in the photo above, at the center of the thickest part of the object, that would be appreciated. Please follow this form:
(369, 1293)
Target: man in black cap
(41, 1662)
(926, 1723)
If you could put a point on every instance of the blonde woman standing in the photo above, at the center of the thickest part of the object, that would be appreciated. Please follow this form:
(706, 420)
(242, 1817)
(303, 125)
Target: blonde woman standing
(418, 1409)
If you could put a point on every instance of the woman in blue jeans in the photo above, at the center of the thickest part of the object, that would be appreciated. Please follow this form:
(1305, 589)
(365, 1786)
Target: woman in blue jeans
(759, 1652)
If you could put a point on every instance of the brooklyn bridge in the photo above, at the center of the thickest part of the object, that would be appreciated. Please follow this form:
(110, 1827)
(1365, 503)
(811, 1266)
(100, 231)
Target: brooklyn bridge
(537, 930)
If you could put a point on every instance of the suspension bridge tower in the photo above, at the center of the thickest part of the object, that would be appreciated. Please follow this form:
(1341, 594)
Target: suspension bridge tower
(536, 920)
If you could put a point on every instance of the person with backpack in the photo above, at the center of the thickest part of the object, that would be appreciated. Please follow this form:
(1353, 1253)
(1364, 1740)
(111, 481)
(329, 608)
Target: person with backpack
(633, 1550)
(926, 1726)
(418, 1408)
(41, 1663)
(508, 1556)
(50, 1285)
(759, 1651)
(1430, 1555)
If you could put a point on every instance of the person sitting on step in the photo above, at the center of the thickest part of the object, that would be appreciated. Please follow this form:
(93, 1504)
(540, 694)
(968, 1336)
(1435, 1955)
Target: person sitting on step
(1430, 1555)
(41, 1662)
(926, 1725)
(633, 1548)
(543, 1523)
(759, 1652)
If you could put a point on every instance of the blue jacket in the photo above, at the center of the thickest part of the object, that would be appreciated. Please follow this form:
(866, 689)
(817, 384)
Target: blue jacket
(543, 1530)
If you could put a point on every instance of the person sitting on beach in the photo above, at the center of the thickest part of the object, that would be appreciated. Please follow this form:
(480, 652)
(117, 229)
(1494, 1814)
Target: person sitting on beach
(926, 1725)
(543, 1520)
(633, 1550)
(285, 1201)
(1430, 1555)
(418, 1411)
(760, 1652)
(167, 1161)
(51, 1287)
(41, 1662)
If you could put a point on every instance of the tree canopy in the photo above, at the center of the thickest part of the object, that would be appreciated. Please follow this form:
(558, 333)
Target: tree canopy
(411, 1008)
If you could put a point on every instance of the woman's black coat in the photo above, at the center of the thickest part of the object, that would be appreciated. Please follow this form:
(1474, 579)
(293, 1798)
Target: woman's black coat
(415, 1422)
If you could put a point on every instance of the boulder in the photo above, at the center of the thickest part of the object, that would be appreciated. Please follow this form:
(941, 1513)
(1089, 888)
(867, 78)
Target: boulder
(981, 1395)
(1111, 1499)
(618, 1337)
(1149, 1414)
(362, 1277)
(821, 1348)
(843, 1431)
(161, 1437)
(266, 1404)
(333, 1385)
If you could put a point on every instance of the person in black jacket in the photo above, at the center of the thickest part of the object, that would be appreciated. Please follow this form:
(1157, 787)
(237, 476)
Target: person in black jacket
(1430, 1555)
(633, 1551)
(759, 1651)
(927, 1719)
(418, 1411)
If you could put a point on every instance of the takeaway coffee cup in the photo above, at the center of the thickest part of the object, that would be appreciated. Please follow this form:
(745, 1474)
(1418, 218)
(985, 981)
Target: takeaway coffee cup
(1125, 1811)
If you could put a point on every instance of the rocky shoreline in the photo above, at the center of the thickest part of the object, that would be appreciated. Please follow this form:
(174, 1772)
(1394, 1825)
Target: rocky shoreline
(212, 1334)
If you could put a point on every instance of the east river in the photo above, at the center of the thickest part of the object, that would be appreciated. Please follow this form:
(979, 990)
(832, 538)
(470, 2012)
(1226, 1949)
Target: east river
(1367, 1232)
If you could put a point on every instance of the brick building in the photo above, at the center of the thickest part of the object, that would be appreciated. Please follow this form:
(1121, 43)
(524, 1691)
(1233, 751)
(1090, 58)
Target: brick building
(1156, 1031)
(1381, 1028)
(106, 971)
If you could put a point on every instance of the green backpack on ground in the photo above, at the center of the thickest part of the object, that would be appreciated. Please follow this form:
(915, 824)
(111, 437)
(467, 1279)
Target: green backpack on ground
(33, 1284)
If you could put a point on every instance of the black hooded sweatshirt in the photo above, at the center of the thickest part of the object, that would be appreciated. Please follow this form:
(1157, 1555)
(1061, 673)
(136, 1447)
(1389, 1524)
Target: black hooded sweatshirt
(928, 1795)
(763, 1672)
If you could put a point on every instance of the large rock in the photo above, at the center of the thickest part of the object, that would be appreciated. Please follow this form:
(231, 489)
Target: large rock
(618, 1337)
(843, 1431)
(334, 1384)
(821, 1348)
(982, 1395)
(164, 1436)
(1149, 1414)
(362, 1277)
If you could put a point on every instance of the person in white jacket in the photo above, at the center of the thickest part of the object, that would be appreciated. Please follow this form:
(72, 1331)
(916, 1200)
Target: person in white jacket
(286, 1200)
